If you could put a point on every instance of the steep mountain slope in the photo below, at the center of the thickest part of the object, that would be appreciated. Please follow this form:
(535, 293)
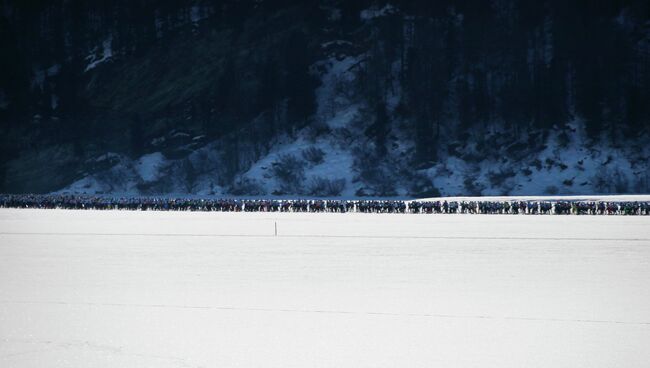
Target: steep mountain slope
(330, 98)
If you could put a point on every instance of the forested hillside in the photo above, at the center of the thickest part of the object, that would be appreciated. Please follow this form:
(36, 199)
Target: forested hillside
(325, 98)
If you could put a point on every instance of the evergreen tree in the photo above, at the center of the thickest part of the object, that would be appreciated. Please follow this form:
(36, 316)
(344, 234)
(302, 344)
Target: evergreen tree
(300, 84)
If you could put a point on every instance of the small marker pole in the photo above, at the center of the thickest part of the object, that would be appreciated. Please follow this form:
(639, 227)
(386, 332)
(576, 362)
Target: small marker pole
(276, 228)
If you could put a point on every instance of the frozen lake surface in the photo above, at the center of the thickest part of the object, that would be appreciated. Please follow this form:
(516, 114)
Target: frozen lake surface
(170, 289)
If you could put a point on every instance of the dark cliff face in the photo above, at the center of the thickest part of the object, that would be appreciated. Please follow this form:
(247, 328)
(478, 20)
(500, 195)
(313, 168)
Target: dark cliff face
(79, 80)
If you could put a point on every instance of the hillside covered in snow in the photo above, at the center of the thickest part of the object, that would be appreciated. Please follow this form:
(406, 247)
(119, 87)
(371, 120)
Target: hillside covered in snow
(326, 99)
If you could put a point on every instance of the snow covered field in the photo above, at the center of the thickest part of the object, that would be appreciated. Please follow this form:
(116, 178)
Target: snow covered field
(169, 289)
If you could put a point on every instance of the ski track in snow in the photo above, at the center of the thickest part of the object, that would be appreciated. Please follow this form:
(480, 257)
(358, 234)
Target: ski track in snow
(369, 313)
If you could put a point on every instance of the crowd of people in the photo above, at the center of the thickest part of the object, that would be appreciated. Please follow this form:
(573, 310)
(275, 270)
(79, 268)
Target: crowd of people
(529, 207)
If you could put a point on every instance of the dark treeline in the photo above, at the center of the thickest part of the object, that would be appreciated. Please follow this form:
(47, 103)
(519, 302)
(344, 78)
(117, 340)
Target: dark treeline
(211, 68)
(244, 69)
(523, 64)
(39, 34)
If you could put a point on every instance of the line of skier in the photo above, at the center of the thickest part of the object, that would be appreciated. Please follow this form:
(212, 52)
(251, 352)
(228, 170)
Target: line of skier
(548, 207)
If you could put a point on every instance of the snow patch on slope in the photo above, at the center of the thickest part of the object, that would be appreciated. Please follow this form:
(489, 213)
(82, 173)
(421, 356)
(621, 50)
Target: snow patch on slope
(201, 171)
(576, 166)
(562, 162)
(376, 12)
(338, 113)
(331, 96)
(337, 164)
(124, 176)
(97, 57)
(148, 166)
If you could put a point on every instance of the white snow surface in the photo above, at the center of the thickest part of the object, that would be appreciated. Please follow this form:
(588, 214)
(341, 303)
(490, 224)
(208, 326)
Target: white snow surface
(188, 289)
